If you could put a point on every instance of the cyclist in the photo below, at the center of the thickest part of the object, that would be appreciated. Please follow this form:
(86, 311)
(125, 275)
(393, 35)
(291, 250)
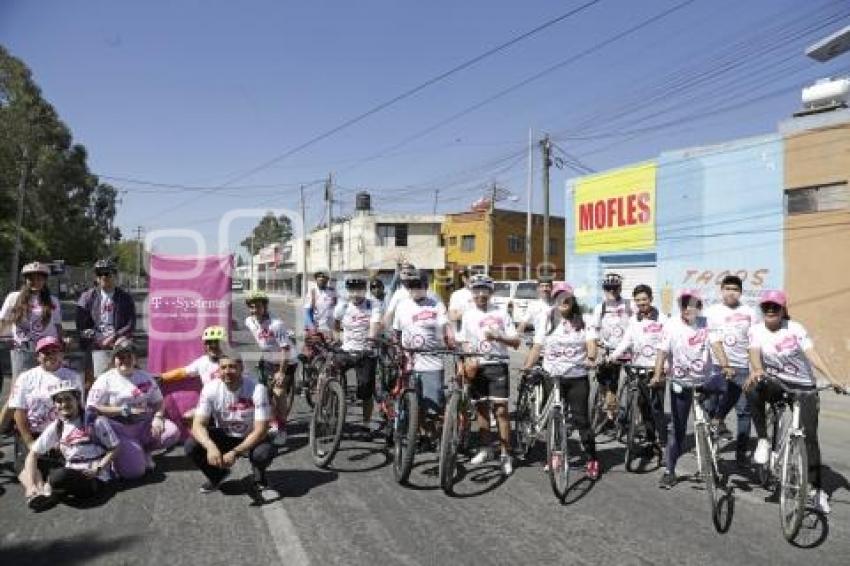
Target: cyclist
(232, 420)
(643, 337)
(206, 365)
(686, 344)
(782, 349)
(377, 291)
(132, 401)
(487, 329)
(543, 304)
(319, 304)
(610, 320)
(87, 450)
(407, 274)
(568, 348)
(31, 313)
(104, 314)
(461, 299)
(30, 397)
(421, 323)
(276, 366)
(729, 324)
(357, 321)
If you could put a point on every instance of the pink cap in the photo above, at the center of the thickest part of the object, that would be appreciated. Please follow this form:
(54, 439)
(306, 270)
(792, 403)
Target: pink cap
(778, 297)
(562, 287)
(693, 293)
(47, 342)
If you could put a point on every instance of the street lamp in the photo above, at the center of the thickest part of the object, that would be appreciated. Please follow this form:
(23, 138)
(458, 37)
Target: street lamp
(830, 46)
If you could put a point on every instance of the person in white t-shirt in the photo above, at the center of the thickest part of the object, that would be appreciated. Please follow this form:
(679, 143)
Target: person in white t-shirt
(686, 344)
(644, 336)
(277, 364)
(421, 323)
(232, 420)
(87, 450)
(30, 398)
(132, 401)
(610, 319)
(460, 300)
(408, 274)
(782, 350)
(319, 305)
(729, 324)
(357, 321)
(489, 330)
(535, 308)
(569, 349)
(205, 366)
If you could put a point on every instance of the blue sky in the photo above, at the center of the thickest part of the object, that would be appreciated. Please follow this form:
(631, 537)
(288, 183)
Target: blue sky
(199, 93)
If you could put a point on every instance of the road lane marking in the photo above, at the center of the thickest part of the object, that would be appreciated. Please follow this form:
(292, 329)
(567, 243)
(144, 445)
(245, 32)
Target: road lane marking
(286, 542)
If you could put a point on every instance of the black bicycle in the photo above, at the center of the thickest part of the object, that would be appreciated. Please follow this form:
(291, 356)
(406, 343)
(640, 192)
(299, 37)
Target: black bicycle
(635, 406)
(330, 407)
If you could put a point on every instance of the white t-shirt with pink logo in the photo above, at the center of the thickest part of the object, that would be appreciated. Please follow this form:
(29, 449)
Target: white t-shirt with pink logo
(105, 327)
(139, 391)
(688, 347)
(643, 338)
(205, 368)
(731, 328)
(611, 326)
(322, 301)
(355, 321)
(271, 335)
(476, 322)
(423, 327)
(82, 447)
(28, 332)
(783, 352)
(32, 392)
(234, 412)
(564, 348)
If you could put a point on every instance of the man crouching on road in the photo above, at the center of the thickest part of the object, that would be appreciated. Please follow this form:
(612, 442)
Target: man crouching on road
(231, 420)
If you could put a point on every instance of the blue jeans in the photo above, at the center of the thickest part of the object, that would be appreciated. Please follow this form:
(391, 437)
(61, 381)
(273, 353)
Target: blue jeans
(733, 397)
(430, 389)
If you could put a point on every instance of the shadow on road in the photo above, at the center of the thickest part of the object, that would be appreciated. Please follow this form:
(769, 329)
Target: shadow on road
(359, 453)
(298, 483)
(78, 550)
(485, 478)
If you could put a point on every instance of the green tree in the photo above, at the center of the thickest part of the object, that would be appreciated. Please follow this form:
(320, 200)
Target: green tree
(127, 257)
(269, 230)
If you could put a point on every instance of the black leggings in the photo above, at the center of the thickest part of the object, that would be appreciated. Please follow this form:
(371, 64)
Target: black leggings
(768, 392)
(575, 392)
(68, 481)
(365, 366)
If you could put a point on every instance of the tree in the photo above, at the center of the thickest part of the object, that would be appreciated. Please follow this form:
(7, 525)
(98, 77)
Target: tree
(127, 257)
(269, 230)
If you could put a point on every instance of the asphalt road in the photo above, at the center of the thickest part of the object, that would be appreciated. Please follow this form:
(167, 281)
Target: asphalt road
(354, 513)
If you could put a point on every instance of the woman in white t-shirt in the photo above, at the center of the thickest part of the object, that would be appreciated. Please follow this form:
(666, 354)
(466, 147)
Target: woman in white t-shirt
(87, 450)
(781, 349)
(569, 349)
(30, 314)
(132, 401)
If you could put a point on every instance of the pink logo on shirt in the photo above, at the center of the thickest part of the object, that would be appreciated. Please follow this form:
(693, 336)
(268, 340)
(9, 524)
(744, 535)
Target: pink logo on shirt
(787, 344)
(425, 315)
(77, 436)
(698, 337)
(653, 327)
(490, 322)
(241, 405)
(738, 317)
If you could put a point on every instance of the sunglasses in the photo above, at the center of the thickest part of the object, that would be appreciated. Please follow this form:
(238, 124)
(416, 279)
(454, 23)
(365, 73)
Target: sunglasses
(771, 307)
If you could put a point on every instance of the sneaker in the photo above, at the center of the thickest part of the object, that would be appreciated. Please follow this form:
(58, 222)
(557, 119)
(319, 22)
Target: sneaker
(150, 465)
(280, 438)
(762, 453)
(592, 469)
(820, 500)
(209, 486)
(667, 481)
(482, 456)
(507, 464)
(38, 502)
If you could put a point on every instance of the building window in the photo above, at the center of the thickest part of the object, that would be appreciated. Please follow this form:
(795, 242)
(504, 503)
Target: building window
(336, 243)
(820, 198)
(516, 244)
(453, 240)
(553, 246)
(467, 243)
(392, 235)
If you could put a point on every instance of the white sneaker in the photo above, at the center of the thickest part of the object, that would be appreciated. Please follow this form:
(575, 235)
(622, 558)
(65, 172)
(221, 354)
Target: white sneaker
(507, 464)
(482, 456)
(762, 453)
(150, 465)
(820, 500)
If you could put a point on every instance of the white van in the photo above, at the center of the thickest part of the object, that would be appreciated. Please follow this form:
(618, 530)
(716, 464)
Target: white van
(515, 296)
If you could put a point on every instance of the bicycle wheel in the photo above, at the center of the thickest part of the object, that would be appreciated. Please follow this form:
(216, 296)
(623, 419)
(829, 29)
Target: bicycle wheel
(793, 486)
(524, 421)
(405, 432)
(598, 417)
(449, 443)
(634, 415)
(765, 471)
(309, 378)
(557, 455)
(707, 471)
(326, 425)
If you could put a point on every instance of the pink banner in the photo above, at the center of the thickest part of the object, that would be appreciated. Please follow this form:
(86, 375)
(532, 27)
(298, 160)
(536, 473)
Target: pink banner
(186, 295)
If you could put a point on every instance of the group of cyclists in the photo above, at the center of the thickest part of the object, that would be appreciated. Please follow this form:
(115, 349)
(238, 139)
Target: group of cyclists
(72, 437)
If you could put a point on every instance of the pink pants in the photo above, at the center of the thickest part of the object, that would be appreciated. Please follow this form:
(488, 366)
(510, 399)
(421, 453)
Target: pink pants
(136, 441)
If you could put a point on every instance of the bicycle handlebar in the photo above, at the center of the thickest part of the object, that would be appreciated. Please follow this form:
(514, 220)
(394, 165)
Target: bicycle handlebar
(795, 392)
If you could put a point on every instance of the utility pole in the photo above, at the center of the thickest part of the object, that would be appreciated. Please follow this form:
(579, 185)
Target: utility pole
(546, 146)
(19, 220)
(328, 205)
(251, 275)
(491, 226)
(303, 246)
(138, 257)
(436, 199)
(528, 196)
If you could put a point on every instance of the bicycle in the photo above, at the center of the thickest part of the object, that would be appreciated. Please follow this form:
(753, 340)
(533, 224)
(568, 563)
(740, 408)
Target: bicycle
(788, 460)
(330, 407)
(312, 364)
(458, 416)
(532, 421)
(636, 392)
(708, 468)
(599, 404)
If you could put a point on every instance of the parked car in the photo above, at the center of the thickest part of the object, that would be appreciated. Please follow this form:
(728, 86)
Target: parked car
(237, 285)
(514, 296)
